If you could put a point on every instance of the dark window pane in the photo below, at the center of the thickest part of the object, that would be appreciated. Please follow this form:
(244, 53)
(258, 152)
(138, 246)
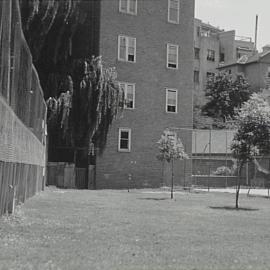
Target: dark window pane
(171, 65)
(124, 135)
(129, 104)
(131, 58)
(124, 144)
(171, 108)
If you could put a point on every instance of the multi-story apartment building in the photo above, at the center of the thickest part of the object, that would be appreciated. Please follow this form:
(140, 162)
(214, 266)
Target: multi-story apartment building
(213, 48)
(151, 45)
(256, 68)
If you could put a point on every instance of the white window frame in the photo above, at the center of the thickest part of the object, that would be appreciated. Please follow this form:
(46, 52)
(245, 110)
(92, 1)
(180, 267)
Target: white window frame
(127, 46)
(178, 11)
(211, 55)
(176, 103)
(129, 140)
(196, 71)
(177, 55)
(125, 93)
(128, 7)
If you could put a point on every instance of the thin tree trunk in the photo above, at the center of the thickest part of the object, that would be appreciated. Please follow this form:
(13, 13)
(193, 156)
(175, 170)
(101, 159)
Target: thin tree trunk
(172, 181)
(238, 185)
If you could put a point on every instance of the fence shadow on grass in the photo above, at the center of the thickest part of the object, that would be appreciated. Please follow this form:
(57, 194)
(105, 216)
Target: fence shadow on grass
(233, 208)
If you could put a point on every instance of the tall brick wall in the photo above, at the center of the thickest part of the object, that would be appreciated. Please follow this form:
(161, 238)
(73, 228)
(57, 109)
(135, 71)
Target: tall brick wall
(149, 118)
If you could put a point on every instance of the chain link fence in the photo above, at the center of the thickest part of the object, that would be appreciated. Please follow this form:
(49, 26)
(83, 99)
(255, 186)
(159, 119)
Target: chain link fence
(22, 114)
(19, 80)
(214, 166)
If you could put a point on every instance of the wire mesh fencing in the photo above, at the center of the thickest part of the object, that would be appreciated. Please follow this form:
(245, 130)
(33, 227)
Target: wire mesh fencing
(19, 80)
(22, 114)
(213, 165)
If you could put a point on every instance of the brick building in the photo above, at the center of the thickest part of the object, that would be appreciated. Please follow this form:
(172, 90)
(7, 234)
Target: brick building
(151, 45)
(256, 68)
(214, 47)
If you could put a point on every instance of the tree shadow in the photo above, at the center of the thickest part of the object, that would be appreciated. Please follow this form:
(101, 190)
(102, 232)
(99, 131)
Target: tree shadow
(154, 199)
(233, 208)
(257, 196)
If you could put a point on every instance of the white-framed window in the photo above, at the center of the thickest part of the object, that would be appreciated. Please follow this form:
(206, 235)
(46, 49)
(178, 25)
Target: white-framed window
(171, 100)
(196, 76)
(124, 140)
(210, 55)
(126, 48)
(197, 53)
(129, 91)
(172, 56)
(173, 11)
(128, 6)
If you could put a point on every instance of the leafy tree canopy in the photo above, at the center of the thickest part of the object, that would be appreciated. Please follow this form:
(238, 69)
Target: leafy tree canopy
(225, 93)
(253, 132)
(170, 147)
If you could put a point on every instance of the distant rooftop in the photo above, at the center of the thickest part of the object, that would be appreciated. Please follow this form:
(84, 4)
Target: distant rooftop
(211, 27)
(242, 38)
(216, 29)
(248, 59)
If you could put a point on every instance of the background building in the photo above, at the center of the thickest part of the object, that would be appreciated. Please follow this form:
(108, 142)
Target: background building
(151, 45)
(213, 48)
(256, 68)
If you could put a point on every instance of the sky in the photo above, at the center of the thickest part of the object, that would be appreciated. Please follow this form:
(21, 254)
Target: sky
(237, 15)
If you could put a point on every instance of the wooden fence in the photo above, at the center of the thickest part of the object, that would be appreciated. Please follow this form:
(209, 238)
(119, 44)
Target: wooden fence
(22, 114)
(66, 175)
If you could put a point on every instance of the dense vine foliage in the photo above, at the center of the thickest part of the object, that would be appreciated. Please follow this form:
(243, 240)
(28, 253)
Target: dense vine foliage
(82, 96)
(40, 17)
(83, 115)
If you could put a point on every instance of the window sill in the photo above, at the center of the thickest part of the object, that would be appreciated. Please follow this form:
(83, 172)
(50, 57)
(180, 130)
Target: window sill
(171, 112)
(128, 13)
(123, 151)
(172, 68)
(125, 61)
(173, 22)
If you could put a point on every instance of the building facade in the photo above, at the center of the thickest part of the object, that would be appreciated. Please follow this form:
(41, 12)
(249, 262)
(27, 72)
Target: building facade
(255, 68)
(151, 45)
(214, 47)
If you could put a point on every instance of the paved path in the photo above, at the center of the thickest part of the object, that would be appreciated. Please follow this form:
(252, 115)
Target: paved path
(252, 192)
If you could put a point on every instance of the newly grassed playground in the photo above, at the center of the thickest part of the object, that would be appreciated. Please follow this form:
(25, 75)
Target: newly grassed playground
(142, 229)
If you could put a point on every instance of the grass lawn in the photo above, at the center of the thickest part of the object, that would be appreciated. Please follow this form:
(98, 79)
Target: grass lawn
(71, 229)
